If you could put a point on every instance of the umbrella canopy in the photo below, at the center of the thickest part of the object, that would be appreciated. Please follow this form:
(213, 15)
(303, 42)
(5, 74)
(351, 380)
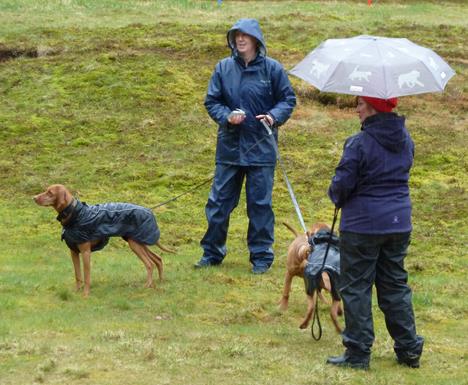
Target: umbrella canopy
(374, 66)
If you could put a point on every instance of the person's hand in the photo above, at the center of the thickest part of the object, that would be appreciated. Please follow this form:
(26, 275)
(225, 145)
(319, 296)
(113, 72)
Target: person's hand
(236, 116)
(267, 118)
(236, 119)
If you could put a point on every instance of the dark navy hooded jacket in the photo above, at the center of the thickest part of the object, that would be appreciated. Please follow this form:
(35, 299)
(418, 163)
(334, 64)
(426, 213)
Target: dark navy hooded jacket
(262, 87)
(371, 181)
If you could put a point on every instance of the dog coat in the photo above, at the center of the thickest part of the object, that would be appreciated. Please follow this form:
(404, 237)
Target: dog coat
(313, 269)
(102, 221)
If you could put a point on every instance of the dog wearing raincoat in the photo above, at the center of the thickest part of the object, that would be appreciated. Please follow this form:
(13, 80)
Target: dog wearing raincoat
(88, 228)
(305, 259)
(322, 271)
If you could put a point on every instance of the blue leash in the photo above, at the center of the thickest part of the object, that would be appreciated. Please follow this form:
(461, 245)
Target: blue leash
(285, 176)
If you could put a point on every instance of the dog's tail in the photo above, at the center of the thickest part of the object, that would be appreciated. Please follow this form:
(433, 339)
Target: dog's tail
(163, 248)
(291, 229)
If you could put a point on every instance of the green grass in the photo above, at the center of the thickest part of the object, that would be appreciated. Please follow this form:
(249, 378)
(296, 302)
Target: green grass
(112, 106)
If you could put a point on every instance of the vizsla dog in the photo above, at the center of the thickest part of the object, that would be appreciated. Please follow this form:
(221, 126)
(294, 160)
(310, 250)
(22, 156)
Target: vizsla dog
(88, 228)
(298, 258)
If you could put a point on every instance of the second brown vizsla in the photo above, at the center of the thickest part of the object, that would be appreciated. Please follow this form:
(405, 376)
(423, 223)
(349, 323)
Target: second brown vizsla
(298, 251)
(297, 259)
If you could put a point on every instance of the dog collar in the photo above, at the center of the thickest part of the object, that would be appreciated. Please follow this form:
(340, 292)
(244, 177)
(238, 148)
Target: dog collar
(323, 236)
(65, 215)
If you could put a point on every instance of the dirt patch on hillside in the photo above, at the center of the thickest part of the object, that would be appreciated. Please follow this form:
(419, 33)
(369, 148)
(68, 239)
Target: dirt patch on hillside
(11, 53)
(14, 53)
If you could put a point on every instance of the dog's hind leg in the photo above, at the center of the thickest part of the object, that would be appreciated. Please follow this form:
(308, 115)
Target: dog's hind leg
(335, 311)
(323, 299)
(156, 259)
(140, 252)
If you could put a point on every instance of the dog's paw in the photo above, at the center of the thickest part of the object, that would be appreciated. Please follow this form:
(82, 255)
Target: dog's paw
(283, 305)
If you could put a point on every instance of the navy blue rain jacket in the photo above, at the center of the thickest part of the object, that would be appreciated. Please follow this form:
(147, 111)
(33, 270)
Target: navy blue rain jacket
(371, 180)
(262, 87)
(99, 222)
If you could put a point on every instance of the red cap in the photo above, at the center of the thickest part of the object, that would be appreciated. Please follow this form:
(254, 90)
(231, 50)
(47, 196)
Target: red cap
(381, 105)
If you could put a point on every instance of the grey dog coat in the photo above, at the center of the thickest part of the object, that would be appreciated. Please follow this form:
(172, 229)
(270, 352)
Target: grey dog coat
(102, 221)
(313, 269)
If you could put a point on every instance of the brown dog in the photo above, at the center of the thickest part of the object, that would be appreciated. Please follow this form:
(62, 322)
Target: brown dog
(296, 262)
(88, 228)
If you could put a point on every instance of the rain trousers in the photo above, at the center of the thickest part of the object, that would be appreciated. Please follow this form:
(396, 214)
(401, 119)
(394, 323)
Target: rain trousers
(102, 221)
(245, 151)
(371, 187)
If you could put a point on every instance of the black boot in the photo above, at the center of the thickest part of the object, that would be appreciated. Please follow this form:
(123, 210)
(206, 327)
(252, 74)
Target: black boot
(408, 359)
(350, 361)
(411, 358)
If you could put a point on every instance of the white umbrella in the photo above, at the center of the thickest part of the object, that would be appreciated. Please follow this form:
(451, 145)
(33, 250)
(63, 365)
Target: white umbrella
(374, 66)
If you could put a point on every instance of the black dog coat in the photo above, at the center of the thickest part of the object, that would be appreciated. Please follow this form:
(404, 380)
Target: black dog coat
(313, 269)
(102, 221)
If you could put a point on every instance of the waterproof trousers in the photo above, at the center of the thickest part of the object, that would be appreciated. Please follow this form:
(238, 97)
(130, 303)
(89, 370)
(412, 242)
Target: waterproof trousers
(376, 259)
(224, 197)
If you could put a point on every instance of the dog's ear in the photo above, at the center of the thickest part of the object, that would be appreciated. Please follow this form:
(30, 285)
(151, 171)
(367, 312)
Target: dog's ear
(61, 198)
(304, 252)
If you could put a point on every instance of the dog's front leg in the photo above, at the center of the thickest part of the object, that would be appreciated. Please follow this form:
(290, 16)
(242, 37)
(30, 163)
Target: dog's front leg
(85, 250)
(283, 303)
(76, 265)
(311, 299)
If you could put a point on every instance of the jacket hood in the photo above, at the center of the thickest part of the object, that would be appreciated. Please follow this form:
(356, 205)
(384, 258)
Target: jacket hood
(388, 129)
(250, 27)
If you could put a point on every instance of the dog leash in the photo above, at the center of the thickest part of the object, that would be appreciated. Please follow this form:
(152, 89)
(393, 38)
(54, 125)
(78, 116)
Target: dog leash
(316, 313)
(202, 183)
(283, 169)
(184, 193)
(285, 176)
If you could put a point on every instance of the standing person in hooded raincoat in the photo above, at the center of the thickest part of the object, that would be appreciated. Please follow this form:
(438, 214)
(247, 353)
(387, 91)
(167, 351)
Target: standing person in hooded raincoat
(371, 187)
(258, 85)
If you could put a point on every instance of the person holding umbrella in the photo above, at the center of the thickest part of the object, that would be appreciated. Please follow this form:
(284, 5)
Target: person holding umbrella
(245, 89)
(370, 186)
(371, 182)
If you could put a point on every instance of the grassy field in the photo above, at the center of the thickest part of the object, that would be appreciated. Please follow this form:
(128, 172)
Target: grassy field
(106, 97)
